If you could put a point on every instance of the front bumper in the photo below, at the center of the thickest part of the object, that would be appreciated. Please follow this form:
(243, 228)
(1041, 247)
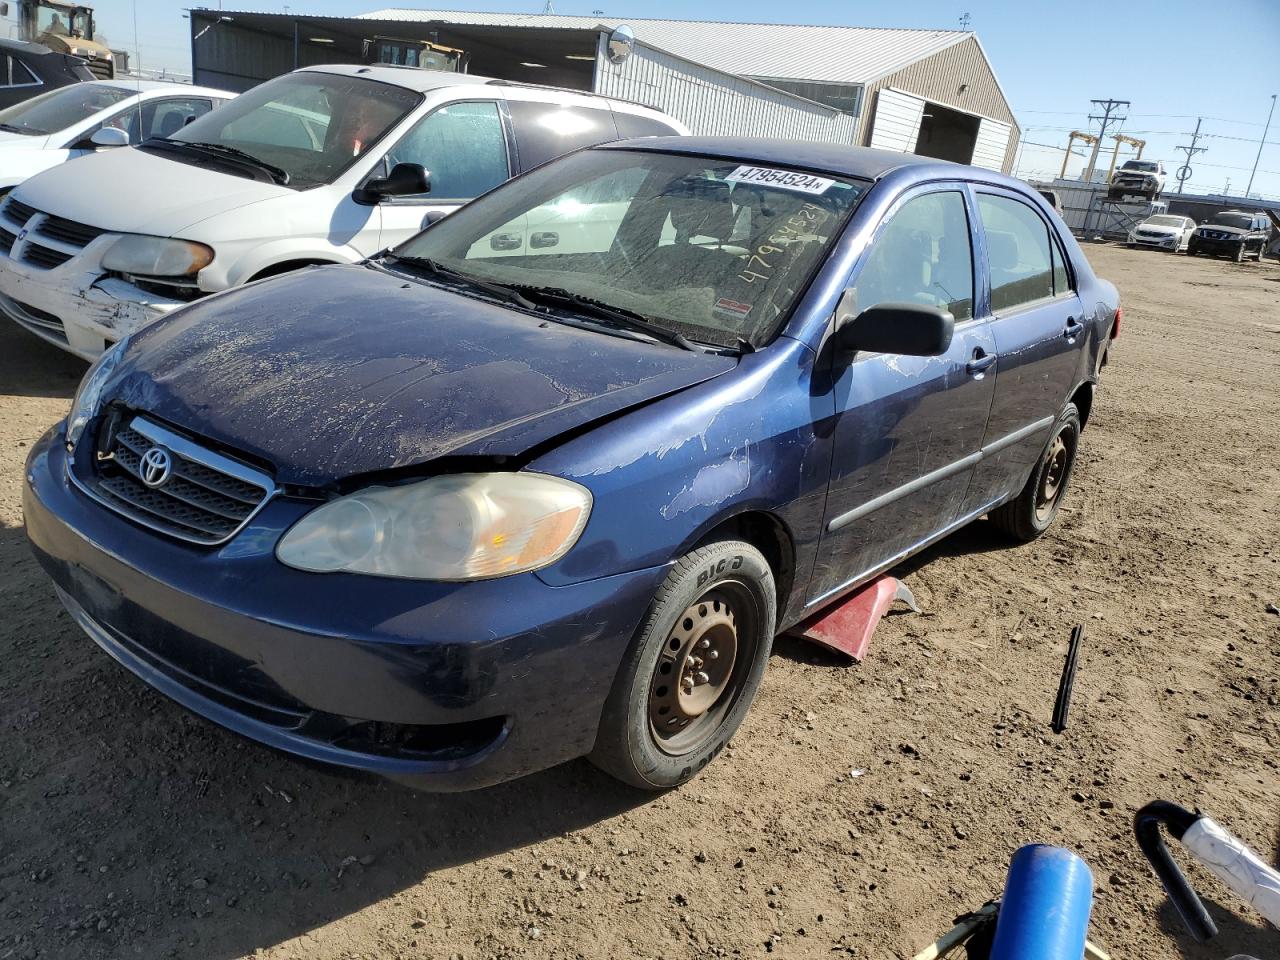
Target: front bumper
(1162, 243)
(443, 686)
(1217, 248)
(76, 305)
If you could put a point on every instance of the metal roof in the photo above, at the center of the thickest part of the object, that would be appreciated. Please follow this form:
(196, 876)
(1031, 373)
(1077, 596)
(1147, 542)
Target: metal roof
(766, 50)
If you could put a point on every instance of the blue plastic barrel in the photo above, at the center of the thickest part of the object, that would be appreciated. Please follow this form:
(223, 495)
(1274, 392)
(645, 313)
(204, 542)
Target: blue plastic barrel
(1044, 914)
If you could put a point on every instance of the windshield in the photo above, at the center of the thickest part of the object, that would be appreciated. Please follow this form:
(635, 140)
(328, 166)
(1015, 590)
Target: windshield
(1239, 221)
(61, 108)
(1146, 166)
(715, 250)
(1164, 222)
(310, 125)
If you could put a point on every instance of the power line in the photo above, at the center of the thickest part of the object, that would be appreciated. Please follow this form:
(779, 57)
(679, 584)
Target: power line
(1107, 118)
(1184, 173)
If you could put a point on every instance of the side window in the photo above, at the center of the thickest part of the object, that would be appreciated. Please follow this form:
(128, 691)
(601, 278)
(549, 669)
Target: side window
(922, 255)
(15, 73)
(167, 117)
(461, 145)
(633, 125)
(545, 131)
(1061, 276)
(158, 118)
(1017, 251)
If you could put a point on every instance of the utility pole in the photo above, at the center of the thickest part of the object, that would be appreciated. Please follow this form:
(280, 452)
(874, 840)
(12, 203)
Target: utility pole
(1226, 191)
(1261, 144)
(1184, 172)
(1106, 119)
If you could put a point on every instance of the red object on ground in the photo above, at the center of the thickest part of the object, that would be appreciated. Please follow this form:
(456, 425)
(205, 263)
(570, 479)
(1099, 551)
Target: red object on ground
(847, 626)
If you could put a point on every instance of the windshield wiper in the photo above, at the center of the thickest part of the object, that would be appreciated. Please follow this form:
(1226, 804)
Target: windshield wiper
(509, 294)
(278, 174)
(618, 316)
(32, 131)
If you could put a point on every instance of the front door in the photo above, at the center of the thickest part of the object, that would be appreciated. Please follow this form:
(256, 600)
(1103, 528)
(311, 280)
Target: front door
(1037, 320)
(907, 428)
(463, 146)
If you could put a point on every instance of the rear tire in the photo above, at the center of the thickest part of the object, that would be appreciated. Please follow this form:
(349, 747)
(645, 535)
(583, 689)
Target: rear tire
(1262, 250)
(692, 670)
(1032, 512)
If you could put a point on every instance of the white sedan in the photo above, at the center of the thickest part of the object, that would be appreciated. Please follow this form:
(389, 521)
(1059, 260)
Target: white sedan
(1164, 231)
(70, 121)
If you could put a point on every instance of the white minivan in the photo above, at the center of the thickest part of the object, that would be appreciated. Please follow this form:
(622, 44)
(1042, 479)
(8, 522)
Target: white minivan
(323, 165)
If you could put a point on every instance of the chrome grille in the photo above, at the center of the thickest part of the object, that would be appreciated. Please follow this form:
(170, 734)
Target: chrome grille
(58, 232)
(207, 497)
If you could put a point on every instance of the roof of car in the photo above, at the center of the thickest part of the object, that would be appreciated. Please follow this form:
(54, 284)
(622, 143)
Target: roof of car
(147, 86)
(423, 80)
(23, 46)
(841, 159)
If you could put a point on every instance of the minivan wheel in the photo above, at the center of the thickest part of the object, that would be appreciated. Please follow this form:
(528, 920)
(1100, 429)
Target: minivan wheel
(1032, 512)
(693, 669)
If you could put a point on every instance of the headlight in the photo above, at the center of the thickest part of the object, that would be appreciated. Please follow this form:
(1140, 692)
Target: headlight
(458, 527)
(89, 394)
(156, 256)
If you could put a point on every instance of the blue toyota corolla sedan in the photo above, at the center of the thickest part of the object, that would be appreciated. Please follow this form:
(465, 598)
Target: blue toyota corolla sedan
(546, 480)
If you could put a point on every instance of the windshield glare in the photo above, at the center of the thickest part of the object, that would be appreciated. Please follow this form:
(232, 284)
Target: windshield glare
(312, 125)
(715, 250)
(61, 108)
(1229, 220)
(1146, 166)
(1165, 221)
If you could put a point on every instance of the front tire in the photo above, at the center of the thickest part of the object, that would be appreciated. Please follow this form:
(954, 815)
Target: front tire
(1032, 512)
(693, 669)
(1239, 257)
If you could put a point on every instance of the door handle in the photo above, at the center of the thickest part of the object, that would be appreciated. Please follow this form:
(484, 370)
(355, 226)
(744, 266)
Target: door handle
(1073, 329)
(980, 363)
(505, 241)
(544, 238)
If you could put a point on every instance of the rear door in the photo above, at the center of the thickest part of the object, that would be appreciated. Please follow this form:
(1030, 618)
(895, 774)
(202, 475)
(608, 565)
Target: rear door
(907, 429)
(1039, 327)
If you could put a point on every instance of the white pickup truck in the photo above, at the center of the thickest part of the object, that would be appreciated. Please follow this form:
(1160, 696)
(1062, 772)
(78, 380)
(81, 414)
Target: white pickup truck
(1143, 178)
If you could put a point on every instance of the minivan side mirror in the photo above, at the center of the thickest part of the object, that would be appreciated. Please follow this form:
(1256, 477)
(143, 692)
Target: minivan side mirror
(905, 329)
(405, 179)
(105, 137)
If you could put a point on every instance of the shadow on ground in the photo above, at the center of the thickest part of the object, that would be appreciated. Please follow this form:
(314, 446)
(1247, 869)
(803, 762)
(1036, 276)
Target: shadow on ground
(131, 828)
(1235, 936)
(31, 367)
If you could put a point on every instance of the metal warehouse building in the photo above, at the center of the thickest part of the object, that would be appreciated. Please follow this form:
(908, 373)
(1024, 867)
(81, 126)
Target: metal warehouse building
(931, 92)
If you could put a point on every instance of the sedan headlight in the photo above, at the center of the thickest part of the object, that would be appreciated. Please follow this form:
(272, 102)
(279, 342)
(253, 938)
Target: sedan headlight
(156, 256)
(89, 394)
(457, 527)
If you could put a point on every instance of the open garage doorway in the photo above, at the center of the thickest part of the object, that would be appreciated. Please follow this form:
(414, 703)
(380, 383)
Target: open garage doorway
(947, 134)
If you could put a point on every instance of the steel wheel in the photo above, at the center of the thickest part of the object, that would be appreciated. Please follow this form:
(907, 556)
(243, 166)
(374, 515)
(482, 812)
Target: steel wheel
(699, 673)
(1051, 482)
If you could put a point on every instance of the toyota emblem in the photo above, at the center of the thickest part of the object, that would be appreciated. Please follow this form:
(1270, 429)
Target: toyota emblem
(155, 467)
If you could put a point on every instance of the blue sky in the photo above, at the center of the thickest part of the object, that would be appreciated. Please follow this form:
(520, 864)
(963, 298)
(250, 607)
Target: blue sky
(1174, 60)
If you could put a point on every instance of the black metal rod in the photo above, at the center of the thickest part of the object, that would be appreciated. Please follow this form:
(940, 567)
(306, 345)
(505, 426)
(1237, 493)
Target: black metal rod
(1063, 702)
(1146, 824)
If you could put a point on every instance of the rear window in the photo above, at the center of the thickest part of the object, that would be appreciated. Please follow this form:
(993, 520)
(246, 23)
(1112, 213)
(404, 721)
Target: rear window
(545, 131)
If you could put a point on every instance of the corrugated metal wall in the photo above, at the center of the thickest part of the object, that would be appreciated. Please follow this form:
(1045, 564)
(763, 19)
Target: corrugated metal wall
(992, 144)
(713, 103)
(938, 78)
(231, 57)
(898, 117)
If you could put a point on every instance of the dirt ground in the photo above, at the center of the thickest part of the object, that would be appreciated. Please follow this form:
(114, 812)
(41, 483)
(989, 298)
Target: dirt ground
(128, 828)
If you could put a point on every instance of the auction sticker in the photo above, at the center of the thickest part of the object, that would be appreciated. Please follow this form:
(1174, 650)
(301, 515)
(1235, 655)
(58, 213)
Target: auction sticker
(782, 179)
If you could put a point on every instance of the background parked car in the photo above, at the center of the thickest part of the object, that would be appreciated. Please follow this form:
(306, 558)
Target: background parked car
(28, 69)
(1141, 178)
(322, 165)
(1164, 231)
(1232, 233)
(60, 125)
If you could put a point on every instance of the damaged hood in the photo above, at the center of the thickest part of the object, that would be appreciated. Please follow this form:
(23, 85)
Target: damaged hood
(338, 371)
(126, 190)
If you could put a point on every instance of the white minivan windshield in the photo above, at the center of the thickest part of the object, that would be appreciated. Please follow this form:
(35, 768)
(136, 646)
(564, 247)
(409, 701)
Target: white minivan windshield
(302, 129)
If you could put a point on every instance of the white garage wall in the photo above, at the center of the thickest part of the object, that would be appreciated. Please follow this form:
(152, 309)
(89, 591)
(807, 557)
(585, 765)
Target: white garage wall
(992, 142)
(897, 121)
(713, 103)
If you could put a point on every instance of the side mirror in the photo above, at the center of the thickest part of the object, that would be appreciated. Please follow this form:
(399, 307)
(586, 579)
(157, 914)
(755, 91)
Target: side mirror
(405, 179)
(906, 329)
(106, 137)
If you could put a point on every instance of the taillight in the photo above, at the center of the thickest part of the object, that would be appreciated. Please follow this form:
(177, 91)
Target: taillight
(1115, 327)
